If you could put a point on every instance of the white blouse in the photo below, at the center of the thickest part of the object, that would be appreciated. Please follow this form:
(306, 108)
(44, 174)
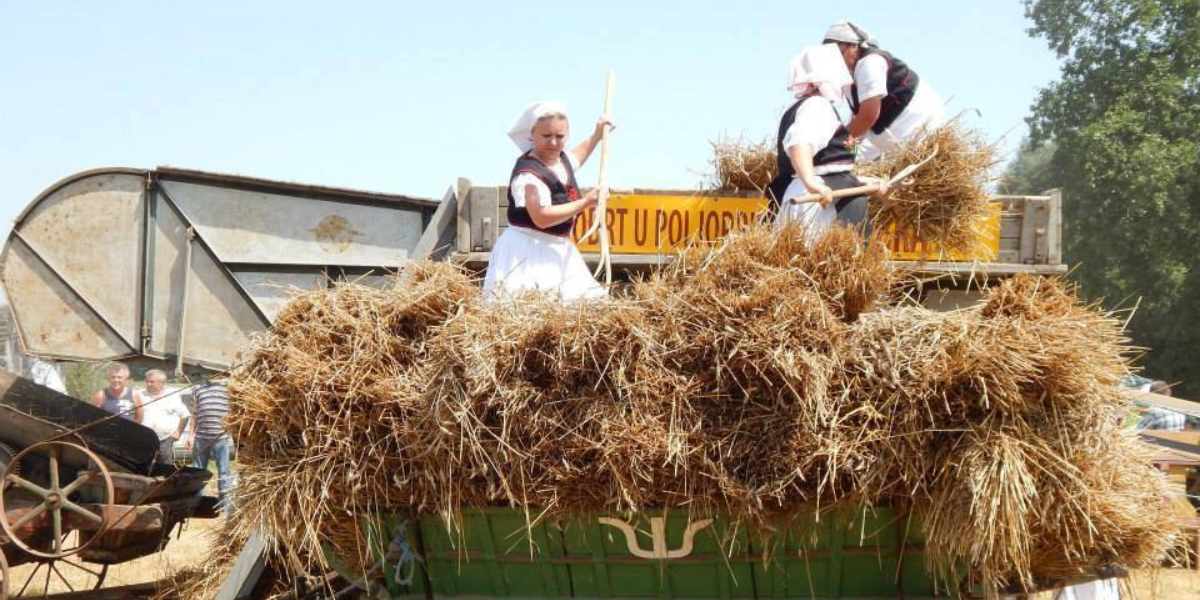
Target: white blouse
(518, 183)
(815, 124)
(870, 75)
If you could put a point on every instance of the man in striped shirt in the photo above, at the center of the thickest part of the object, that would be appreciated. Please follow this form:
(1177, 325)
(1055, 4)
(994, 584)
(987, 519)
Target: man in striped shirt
(209, 439)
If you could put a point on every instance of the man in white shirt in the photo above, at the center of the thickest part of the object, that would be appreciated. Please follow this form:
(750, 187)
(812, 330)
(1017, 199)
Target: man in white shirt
(164, 413)
(46, 374)
(891, 103)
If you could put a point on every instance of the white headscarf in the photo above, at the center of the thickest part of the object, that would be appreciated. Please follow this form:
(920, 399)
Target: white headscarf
(521, 132)
(850, 33)
(821, 65)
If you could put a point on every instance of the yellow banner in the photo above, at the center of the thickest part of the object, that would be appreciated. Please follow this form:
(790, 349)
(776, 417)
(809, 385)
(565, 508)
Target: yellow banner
(654, 224)
(906, 245)
(659, 224)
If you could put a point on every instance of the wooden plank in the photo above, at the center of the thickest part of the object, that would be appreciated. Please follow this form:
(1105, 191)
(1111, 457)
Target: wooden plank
(1190, 438)
(443, 218)
(979, 269)
(1010, 226)
(1178, 405)
(484, 218)
(246, 570)
(127, 518)
(1041, 243)
(952, 268)
(1029, 234)
(1054, 227)
(464, 219)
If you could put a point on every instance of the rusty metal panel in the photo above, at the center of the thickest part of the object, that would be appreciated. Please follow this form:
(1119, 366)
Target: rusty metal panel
(218, 320)
(271, 290)
(88, 232)
(243, 226)
(52, 319)
(166, 309)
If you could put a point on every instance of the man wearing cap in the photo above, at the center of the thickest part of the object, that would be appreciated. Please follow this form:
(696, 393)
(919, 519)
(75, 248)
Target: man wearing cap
(890, 102)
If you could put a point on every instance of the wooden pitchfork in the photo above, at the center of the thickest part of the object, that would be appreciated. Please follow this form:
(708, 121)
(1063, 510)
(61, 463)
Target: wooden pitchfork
(601, 209)
(870, 188)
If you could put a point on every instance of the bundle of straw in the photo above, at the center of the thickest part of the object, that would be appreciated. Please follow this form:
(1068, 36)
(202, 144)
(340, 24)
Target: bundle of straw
(740, 165)
(757, 378)
(1001, 425)
(947, 201)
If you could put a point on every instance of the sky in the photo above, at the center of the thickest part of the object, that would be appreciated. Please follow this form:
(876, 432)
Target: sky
(406, 97)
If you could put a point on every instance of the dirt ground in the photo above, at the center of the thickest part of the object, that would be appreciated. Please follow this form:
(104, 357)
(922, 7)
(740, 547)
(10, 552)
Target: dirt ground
(187, 550)
(1166, 584)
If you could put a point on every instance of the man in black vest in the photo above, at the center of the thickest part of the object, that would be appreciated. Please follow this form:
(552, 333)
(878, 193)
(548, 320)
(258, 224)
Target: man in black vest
(890, 102)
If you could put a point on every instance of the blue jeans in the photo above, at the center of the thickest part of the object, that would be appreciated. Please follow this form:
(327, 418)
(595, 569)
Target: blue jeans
(205, 449)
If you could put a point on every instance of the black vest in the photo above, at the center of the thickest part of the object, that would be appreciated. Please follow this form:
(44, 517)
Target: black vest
(559, 193)
(901, 85)
(834, 152)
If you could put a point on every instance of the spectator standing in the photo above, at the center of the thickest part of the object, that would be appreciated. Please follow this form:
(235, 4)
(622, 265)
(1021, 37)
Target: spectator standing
(209, 439)
(1161, 418)
(1160, 387)
(118, 398)
(165, 414)
(46, 374)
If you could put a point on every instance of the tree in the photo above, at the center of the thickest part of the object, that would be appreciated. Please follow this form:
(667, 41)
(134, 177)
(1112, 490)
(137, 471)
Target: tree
(1030, 173)
(1124, 120)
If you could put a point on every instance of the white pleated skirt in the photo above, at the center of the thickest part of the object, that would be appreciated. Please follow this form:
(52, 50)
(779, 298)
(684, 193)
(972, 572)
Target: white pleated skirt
(1100, 589)
(526, 260)
(815, 218)
(925, 112)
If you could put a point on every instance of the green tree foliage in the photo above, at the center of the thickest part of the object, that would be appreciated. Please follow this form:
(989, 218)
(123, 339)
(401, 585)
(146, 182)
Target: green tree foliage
(1124, 122)
(1030, 172)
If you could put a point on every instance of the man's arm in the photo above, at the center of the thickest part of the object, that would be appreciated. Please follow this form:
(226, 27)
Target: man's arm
(864, 119)
(184, 417)
(98, 399)
(192, 410)
(138, 411)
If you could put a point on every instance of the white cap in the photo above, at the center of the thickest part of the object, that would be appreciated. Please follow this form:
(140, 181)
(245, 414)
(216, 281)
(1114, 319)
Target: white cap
(849, 33)
(821, 65)
(521, 132)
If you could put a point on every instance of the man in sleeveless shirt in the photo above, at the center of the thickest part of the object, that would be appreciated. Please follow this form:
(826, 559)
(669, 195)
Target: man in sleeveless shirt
(118, 398)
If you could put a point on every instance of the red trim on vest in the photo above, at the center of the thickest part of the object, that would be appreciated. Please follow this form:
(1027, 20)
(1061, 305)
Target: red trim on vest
(572, 191)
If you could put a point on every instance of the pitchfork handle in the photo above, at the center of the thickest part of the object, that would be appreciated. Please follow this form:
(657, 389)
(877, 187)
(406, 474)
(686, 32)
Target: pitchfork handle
(854, 191)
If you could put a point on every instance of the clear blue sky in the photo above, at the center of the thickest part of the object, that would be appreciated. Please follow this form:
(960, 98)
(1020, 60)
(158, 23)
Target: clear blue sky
(405, 97)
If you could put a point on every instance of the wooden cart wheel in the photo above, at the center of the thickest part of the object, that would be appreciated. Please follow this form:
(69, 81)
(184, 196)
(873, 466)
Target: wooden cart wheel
(3, 577)
(57, 578)
(55, 499)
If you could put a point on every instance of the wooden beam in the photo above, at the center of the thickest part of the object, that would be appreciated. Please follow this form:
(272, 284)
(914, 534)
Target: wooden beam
(247, 569)
(443, 218)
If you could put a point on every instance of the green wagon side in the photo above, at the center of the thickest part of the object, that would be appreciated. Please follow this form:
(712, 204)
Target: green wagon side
(494, 553)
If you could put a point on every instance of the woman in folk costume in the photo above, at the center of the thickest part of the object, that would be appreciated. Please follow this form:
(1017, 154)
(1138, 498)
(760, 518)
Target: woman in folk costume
(890, 102)
(536, 251)
(811, 150)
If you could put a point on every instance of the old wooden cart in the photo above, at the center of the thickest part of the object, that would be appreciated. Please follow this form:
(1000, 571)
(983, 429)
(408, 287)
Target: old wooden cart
(82, 489)
(195, 263)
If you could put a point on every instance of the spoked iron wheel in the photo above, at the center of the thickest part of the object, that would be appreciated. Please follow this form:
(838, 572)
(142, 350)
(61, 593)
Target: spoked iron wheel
(54, 499)
(62, 575)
